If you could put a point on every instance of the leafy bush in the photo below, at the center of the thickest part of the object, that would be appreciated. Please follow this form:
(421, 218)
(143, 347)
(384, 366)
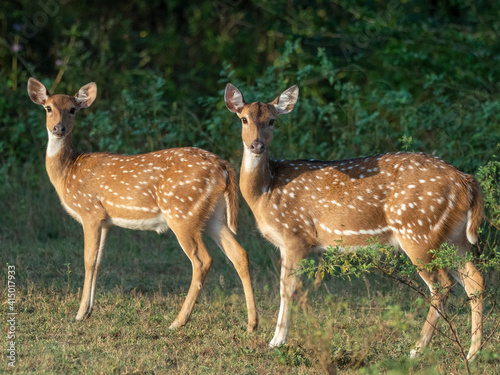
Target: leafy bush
(369, 74)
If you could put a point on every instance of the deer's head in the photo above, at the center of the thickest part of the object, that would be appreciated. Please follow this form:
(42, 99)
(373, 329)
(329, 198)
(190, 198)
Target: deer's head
(258, 118)
(61, 109)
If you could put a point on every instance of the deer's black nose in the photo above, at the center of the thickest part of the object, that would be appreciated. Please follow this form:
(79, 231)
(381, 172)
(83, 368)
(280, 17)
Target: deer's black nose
(59, 130)
(257, 147)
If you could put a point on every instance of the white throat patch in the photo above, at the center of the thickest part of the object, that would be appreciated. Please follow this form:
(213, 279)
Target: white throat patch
(55, 144)
(250, 160)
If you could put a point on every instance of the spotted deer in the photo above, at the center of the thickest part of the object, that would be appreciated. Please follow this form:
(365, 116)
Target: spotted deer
(186, 189)
(410, 200)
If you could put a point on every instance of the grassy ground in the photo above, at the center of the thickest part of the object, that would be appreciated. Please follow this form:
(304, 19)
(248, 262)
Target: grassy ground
(364, 326)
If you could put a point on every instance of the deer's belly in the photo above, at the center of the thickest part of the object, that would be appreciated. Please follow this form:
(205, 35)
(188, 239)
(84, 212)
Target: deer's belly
(156, 223)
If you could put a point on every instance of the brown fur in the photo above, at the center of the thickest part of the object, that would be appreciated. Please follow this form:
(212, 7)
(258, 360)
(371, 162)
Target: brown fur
(184, 189)
(414, 201)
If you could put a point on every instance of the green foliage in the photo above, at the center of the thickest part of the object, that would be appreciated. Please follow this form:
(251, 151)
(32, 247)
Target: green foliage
(338, 261)
(369, 75)
(489, 179)
(343, 263)
(291, 356)
(407, 142)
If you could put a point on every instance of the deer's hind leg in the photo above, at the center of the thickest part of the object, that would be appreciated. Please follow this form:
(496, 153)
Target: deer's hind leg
(438, 282)
(472, 281)
(218, 230)
(192, 244)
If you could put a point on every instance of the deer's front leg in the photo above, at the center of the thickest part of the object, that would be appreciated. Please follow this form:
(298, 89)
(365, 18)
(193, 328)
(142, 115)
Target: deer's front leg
(94, 237)
(102, 242)
(290, 257)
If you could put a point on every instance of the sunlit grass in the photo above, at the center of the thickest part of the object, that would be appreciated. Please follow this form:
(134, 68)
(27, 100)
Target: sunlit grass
(367, 325)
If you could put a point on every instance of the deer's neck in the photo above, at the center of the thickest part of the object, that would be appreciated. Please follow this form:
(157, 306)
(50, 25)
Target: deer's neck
(256, 176)
(59, 159)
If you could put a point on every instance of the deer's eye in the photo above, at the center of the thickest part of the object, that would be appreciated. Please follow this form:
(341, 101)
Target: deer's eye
(271, 122)
(244, 120)
(49, 109)
(72, 111)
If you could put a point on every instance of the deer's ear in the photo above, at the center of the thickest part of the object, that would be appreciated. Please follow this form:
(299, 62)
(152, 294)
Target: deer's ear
(86, 95)
(287, 100)
(233, 98)
(37, 91)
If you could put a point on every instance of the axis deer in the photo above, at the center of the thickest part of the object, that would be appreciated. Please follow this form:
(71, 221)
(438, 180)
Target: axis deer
(413, 201)
(186, 189)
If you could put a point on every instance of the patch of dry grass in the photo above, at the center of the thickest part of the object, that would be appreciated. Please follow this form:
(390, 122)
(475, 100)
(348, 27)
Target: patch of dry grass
(364, 326)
